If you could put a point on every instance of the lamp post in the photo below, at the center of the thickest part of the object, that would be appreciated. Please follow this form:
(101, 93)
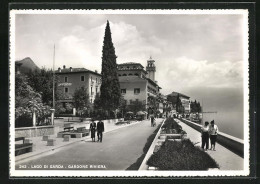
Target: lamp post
(52, 116)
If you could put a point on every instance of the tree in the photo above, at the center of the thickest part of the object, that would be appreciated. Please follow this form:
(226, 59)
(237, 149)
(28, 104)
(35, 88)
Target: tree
(42, 82)
(152, 103)
(81, 100)
(195, 107)
(28, 101)
(97, 102)
(110, 89)
(136, 106)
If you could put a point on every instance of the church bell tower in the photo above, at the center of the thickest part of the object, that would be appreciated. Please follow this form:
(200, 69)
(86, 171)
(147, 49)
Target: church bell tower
(150, 68)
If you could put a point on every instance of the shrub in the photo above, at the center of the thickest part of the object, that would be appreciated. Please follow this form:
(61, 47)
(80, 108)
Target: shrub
(182, 155)
(171, 126)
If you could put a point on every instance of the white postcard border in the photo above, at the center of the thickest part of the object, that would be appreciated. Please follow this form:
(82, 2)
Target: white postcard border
(98, 173)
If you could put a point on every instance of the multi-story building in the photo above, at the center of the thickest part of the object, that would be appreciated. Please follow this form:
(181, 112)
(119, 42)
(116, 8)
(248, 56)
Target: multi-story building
(185, 101)
(137, 84)
(71, 79)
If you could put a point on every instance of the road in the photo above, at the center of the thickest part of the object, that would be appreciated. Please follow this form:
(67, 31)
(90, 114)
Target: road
(120, 149)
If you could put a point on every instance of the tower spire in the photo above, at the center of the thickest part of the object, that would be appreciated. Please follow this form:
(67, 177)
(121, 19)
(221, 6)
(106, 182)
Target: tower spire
(150, 68)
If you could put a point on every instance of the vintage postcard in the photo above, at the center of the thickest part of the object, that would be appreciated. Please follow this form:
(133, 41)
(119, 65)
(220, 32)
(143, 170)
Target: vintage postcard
(126, 93)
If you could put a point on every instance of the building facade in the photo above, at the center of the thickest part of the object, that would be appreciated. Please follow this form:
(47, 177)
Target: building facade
(70, 79)
(185, 101)
(136, 84)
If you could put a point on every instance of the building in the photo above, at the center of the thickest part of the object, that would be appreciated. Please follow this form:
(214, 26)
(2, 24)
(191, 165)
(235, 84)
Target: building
(185, 101)
(137, 84)
(70, 79)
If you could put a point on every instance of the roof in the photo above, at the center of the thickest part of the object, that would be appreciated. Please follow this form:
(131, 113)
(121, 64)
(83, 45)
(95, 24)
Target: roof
(75, 70)
(176, 94)
(154, 83)
(130, 63)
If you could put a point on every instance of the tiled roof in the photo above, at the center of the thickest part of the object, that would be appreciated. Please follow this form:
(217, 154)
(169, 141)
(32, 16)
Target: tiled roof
(131, 63)
(75, 70)
(176, 94)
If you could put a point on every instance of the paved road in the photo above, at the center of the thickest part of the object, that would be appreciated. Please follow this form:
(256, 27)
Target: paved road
(119, 149)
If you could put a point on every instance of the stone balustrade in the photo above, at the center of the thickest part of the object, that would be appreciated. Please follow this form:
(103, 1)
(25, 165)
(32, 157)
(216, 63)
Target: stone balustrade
(34, 131)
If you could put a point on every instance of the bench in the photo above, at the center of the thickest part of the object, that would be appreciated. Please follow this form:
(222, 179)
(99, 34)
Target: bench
(68, 129)
(20, 139)
(22, 148)
(122, 122)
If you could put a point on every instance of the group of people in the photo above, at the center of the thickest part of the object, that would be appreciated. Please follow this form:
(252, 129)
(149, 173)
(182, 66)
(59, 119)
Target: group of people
(99, 128)
(209, 132)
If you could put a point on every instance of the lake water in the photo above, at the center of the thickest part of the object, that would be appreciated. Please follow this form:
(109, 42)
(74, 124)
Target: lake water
(228, 122)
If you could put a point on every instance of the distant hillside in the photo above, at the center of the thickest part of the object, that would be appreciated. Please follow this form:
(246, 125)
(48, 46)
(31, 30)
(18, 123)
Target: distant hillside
(27, 65)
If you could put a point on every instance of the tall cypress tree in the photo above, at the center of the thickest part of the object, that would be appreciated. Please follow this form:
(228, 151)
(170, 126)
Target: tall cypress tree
(110, 89)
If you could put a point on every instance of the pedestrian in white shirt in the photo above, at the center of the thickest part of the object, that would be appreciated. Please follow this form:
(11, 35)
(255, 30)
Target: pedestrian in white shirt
(213, 132)
(205, 136)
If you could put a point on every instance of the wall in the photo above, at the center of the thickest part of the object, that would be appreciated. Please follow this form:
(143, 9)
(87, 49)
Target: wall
(133, 72)
(232, 143)
(129, 86)
(34, 131)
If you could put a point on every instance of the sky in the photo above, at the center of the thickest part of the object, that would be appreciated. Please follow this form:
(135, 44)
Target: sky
(198, 55)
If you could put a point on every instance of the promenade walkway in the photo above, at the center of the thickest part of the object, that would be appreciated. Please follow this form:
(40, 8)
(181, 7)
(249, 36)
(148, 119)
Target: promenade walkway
(41, 148)
(226, 159)
(119, 149)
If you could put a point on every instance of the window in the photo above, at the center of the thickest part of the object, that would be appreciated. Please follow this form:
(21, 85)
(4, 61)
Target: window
(119, 75)
(124, 74)
(136, 74)
(96, 80)
(66, 90)
(134, 66)
(65, 79)
(123, 91)
(91, 90)
(130, 74)
(136, 91)
(96, 90)
(82, 78)
(91, 78)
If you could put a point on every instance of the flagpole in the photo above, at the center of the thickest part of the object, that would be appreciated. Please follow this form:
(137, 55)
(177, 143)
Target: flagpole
(53, 89)
(53, 82)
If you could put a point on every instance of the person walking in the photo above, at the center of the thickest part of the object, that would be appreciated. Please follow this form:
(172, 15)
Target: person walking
(152, 121)
(92, 130)
(205, 136)
(100, 130)
(213, 132)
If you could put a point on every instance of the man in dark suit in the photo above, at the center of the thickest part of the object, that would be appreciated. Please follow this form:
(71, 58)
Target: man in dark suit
(100, 130)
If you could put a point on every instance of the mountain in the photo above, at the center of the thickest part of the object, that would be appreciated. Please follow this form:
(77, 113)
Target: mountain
(27, 64)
